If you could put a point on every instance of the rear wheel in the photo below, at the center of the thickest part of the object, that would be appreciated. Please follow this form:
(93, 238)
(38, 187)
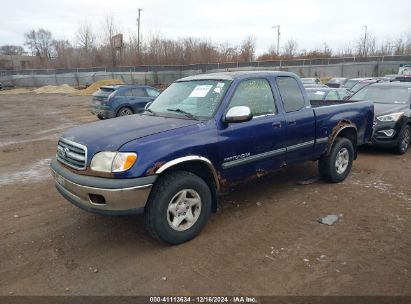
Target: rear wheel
(403, 140)
(178, 207)
(124, 111)
(337, 165)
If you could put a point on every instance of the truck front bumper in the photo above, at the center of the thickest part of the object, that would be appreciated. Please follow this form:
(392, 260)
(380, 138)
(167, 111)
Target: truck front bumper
(102, 195)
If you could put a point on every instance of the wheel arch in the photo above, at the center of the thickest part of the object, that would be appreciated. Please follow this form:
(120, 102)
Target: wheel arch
(198, 165)
(347, 130)
(124, 105)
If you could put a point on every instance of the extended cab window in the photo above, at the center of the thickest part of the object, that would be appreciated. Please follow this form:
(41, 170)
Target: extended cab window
(293, 99)
(255, 94)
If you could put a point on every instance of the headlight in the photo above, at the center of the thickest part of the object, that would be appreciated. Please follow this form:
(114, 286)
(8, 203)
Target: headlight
(390, 117)
(113, 161)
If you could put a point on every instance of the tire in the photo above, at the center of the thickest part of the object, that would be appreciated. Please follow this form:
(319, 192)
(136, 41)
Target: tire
(124, 111)
(403, 140)
(166, 215)
(337, 165)
(100, 117)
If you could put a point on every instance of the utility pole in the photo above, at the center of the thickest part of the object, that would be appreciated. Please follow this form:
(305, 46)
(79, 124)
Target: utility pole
(365, 40)
(278, 38)
(138, 30)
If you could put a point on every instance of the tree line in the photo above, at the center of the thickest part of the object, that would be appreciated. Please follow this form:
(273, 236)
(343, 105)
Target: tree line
(100, 49)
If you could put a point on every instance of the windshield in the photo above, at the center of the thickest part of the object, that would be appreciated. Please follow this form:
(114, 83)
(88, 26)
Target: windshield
(315, 94)
(359, 86)
(383, 94)
(350, 83)
(192, 99)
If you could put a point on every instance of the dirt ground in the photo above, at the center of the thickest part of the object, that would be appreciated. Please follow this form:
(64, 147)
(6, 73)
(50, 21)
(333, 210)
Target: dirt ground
(265, 239)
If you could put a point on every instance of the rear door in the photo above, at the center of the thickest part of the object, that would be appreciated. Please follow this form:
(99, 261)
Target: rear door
(255, 146)
(300, 120)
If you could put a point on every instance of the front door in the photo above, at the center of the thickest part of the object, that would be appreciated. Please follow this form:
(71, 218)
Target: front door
(256, 146)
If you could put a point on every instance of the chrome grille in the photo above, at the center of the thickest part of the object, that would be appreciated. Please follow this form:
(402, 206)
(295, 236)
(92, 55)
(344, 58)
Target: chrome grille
(72, 154)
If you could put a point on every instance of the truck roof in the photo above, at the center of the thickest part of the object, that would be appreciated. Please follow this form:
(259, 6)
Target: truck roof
(235, 75)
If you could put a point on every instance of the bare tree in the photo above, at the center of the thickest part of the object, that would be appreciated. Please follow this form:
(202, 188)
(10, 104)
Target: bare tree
(11, 49)
(39, 42)
(290, 48)
(62, 53)
(85, 37)
(366, 45)
(247, 49)
(110, 30)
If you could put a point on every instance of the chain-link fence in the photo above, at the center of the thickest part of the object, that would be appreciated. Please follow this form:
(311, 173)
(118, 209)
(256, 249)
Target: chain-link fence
(212, 66)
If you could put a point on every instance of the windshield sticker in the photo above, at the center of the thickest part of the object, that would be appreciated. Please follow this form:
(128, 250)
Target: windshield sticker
(319, 93)
(200, 91)
(220, 85)
(217, 90)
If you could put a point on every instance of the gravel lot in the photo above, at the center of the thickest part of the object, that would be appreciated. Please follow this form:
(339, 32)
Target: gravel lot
(265, 240)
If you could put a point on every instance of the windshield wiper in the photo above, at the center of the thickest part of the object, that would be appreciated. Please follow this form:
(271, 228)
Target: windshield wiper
(151, 111)
(189, 115)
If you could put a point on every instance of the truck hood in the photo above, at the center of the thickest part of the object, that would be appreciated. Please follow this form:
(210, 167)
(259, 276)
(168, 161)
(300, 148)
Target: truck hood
(388, 108)
(111, 134)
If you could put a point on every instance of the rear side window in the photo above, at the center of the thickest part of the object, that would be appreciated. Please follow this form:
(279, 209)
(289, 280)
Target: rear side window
(255, 94)
(152, 92)
(103, 92)
(139, 92)
(293, 99)
(128, 93)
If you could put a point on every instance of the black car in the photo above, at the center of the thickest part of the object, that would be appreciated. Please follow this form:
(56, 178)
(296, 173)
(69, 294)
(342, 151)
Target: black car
(121, 100)
(392, 108)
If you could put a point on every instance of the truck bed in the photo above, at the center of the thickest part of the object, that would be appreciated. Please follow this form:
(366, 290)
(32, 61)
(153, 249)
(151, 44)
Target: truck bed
(330, 114)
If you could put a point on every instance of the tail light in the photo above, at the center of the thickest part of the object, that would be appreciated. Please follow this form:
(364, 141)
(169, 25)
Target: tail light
(111, 96)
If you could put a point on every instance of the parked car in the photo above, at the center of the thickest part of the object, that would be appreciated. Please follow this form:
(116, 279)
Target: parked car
(321, 95)
(314, 80)
(392, 103)
(403, 78)
(314, 85)
(363, 83)
(389, 77)
(350, 83)
(202, 134)
(1, 86)
(336, 82)
(121, 100)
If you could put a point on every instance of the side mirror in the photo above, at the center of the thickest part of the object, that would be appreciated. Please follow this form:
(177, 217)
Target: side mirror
(147, 105)
(238, 114)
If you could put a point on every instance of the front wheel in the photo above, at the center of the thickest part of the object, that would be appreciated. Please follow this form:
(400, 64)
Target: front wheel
(178, 207)
(337, 165)
(403, 140)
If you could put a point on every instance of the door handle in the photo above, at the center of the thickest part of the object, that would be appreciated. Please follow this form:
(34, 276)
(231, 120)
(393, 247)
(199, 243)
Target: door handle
(292, 122)
(276, 124)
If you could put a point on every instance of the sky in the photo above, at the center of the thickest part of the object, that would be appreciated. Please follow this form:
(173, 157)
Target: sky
(310, 23)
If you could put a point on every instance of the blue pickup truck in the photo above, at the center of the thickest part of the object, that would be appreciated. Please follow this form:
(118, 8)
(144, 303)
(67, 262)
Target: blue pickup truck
(204, 133)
